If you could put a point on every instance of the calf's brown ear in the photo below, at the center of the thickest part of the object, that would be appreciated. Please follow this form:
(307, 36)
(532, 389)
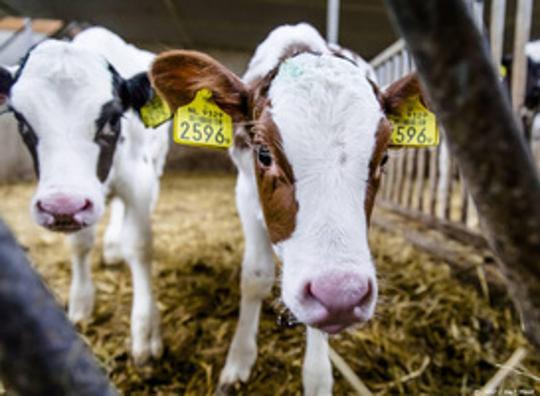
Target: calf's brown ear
(178, 75)
(400, 91)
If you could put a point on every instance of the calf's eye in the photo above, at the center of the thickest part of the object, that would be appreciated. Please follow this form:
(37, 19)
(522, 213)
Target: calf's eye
(264, 156)
(384, 159)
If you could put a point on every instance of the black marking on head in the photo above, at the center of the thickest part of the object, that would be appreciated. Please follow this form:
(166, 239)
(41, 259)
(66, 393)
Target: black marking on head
(29, 137)
(138, 91)
(134, 92)
(108, 126)
(117, 83)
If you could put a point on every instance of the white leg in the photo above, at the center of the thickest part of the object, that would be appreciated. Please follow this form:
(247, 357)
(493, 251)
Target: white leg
(137, 250)
(112, 248)
(317, 370)
(256, 283)
(81, 292)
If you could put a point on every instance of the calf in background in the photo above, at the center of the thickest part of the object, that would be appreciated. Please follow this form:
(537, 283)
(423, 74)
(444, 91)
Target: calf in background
(73, 102)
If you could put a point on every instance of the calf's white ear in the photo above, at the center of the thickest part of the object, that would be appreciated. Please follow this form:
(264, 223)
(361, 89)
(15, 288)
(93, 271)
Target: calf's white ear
(6, 81)
(178, 75)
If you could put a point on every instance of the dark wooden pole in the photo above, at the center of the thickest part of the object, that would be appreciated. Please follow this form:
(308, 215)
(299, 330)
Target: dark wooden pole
(453, 62)
(40, 352)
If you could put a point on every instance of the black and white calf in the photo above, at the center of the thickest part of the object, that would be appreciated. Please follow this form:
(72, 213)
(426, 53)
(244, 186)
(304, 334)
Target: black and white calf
(74, 103)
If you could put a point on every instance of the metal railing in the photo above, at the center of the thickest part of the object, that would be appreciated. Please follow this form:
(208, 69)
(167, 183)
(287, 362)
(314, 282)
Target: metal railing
(425, 184)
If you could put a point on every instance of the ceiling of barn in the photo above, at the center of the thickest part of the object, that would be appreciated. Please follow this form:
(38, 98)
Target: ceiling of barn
(224, 24)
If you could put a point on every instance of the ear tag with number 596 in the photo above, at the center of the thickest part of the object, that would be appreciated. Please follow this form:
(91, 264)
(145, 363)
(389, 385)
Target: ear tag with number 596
(415, 126)
(202, 123)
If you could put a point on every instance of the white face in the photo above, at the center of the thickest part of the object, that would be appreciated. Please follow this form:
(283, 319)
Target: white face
(60, 95)
(327, 115)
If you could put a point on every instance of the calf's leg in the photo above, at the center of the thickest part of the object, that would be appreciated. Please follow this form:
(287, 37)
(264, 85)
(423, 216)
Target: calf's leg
(112, 247)
(137, 251)
(317, 370)
(81, 292)
(257, 278)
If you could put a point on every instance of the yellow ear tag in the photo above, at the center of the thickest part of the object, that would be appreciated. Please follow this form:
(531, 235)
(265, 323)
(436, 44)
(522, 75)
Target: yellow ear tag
(202, 123)
(503, 71)
(155, 112)
(416, 126)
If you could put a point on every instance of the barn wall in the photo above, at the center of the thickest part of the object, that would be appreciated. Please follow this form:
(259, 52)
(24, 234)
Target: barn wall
(15, 161)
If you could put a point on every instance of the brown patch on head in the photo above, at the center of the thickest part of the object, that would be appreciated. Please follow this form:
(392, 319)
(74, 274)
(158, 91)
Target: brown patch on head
(275, 182)
(382, 138)
(178, 75)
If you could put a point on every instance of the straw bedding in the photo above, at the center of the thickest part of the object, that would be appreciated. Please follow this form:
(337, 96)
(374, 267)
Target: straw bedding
(431, 334)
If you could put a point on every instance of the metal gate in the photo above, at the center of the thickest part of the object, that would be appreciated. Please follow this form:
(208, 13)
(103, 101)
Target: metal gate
(425, 184)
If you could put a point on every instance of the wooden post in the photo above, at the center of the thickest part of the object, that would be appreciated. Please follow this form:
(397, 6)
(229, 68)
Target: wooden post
(456, 70)
(40, 352)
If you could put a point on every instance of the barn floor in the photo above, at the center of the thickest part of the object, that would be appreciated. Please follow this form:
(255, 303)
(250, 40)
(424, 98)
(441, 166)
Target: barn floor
(431, 334)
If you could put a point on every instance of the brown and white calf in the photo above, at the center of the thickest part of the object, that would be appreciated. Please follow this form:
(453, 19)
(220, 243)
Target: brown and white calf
(310, 138)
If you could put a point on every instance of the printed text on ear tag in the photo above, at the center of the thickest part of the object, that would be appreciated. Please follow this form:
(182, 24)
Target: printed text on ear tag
(155, 112)
(202, 123)
(415, 126)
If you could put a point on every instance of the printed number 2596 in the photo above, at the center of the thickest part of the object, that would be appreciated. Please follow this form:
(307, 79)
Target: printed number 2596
(199, 133)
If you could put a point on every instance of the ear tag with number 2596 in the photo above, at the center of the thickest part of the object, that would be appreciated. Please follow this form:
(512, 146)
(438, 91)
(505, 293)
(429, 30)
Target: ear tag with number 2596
(202, 123)
(415, 126)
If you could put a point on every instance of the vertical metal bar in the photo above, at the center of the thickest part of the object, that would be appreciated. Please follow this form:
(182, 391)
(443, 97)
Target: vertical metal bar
(464, 209)
(420, 178)
(519, 61)
(448, 190)
(433, 179)
(332, 21)
(496, 30)
(398, 183)
(409, 177)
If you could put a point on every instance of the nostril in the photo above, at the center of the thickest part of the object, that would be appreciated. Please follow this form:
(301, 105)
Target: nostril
(40, 207)
(87, 205)
(366, 294)
(307, 291)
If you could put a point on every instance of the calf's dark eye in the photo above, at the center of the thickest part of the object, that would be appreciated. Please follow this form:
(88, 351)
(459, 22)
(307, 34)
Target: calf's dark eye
(264, 156)
(384, 159)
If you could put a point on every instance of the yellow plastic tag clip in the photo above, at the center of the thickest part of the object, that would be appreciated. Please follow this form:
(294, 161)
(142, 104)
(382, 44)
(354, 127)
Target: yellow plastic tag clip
(415, 126)
(155, 112)
(202, 123)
